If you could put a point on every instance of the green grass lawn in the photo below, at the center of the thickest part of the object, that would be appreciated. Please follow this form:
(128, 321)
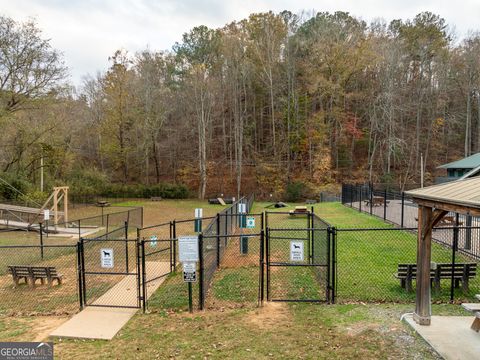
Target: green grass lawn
(367, 260)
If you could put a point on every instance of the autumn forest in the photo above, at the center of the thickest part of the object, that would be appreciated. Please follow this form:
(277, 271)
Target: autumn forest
(261, 103)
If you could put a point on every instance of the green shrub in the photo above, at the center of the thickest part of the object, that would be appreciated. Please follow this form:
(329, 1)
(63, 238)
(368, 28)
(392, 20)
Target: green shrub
(294, 191)
(12, 186)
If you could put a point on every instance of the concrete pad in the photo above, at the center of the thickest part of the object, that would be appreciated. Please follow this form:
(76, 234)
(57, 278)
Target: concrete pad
(450, 336)
(105, 322)
(95, 323)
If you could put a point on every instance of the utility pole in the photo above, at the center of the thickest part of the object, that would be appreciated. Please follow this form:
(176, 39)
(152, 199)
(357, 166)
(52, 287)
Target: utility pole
(421, 170)
(468, 125)
(41, 173)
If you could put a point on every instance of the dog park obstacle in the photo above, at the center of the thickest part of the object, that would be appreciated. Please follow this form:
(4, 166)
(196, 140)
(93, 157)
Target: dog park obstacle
(26, 218)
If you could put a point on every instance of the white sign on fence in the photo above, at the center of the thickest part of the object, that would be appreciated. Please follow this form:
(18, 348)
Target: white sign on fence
(188, 248)
(153, 240)
(106, 258)
(189, 272)
(296, 251)
(250, 222)
(46, 214)
(242, 208)
(198, 213)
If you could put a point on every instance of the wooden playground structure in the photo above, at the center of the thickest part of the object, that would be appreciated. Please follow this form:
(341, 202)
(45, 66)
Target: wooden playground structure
(28, 218)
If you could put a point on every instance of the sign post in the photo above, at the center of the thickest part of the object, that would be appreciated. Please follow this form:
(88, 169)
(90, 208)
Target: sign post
(46, 217)
(198, 220)
(242, 211)
(189, 256)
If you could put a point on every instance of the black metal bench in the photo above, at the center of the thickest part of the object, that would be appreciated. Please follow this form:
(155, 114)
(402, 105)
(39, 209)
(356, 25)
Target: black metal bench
(462, 272)
(33, 273)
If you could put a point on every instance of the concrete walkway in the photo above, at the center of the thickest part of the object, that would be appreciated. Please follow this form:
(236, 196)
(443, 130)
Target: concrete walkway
(450, 336)
(105, 322)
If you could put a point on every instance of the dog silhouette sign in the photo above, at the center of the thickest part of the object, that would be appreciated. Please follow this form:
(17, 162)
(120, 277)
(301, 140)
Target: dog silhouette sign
(296, 251)
(106, 258)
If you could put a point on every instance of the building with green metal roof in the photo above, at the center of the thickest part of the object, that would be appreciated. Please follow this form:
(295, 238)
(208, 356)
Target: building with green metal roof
(459, 168)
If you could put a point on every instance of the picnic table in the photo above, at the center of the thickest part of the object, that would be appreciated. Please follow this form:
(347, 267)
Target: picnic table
(376, 201)
(30, 274)
(299, 210)
(446, 221)
(475, 308)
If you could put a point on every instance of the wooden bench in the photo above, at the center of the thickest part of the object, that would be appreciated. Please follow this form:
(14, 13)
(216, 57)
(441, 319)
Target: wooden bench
(406, 273)
(462, 272)
(33, 273)
(156, 198)
(475, 308)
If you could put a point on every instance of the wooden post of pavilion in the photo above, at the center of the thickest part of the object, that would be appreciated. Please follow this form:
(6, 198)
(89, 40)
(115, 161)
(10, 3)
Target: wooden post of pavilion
(434, 202)
(423, 309)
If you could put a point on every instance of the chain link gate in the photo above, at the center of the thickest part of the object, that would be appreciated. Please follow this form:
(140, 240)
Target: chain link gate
(110, 273)
(299, 257)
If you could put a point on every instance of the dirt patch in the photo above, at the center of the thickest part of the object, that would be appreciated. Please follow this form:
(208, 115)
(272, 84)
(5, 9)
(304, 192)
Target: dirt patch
(361, 327)
(270, 315)
(43, 326)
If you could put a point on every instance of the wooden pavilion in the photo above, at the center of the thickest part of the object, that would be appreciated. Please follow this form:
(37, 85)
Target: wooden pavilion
(434, 202)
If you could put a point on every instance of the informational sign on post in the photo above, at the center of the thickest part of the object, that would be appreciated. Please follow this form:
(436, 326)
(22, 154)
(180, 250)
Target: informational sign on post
(242, 208)
(189, 272)
(296, 251)
(250, 222)
(106, 258)
(198, 220)
(46, 214)
(153, 240)
(188, 249)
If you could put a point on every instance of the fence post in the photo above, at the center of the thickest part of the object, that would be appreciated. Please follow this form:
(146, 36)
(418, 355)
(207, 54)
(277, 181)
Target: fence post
(334, 263)
(174, 229)
(82, 261)
(468, 232)
(329, 285)
(79, 275)
(144, 277)
(360, 200)
(200, 280)
(218, 240)
(371, 198)
(454, 249)
(127, 270)
(312, 237)
(403, 210)
(267, 242)
(385, 205)
(107, 226)
(41, 240)
(262, 265)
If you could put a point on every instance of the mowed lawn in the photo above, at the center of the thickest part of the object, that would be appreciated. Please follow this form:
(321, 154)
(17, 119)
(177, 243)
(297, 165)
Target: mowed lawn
(367, 260)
